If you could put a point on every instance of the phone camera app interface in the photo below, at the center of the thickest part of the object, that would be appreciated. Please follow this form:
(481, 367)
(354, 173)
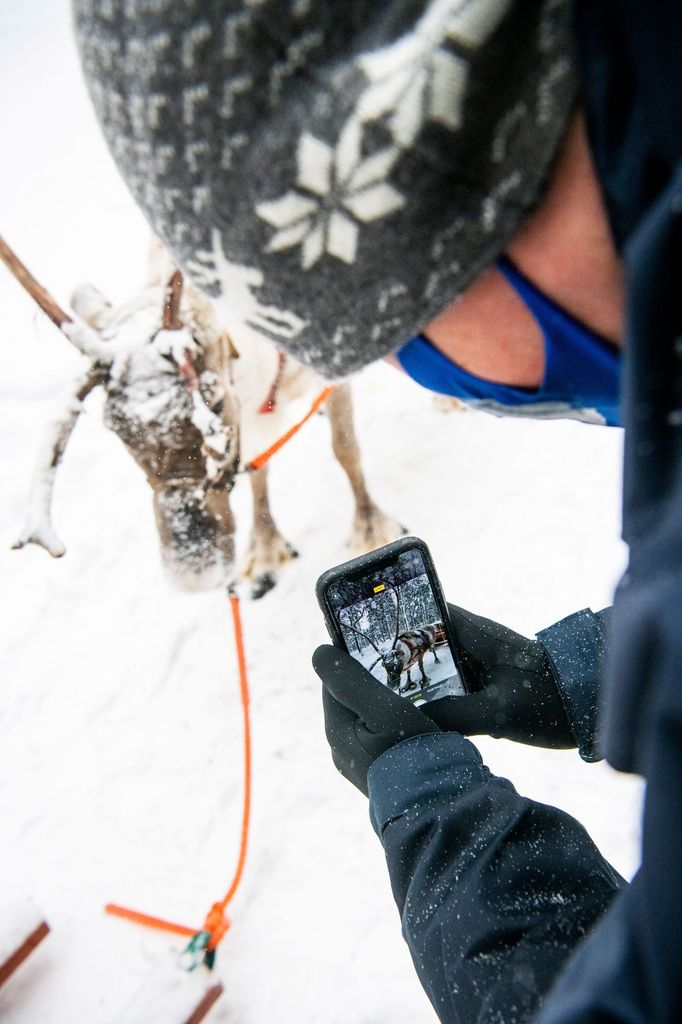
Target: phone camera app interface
(391, 623)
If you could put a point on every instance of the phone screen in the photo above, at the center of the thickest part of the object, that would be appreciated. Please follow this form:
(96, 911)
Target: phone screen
(390, 620)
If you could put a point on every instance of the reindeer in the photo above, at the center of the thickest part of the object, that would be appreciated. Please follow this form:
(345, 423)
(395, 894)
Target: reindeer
(407, 649)
(182, 399)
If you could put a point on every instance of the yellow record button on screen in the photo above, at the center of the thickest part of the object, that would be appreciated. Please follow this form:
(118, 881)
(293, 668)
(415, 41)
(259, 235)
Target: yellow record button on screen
(379, 588)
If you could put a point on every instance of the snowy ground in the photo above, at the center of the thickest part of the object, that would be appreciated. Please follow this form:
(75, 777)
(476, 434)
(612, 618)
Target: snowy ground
(120, 742)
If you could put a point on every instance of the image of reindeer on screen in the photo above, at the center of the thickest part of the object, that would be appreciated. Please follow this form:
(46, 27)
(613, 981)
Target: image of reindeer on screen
(391, 624)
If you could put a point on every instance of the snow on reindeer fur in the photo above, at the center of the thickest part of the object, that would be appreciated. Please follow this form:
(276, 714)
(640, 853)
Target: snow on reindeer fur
(162, 393)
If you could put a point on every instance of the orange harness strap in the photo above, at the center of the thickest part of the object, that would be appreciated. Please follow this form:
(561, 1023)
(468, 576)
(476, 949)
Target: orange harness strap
(205, 940)
(261, 459)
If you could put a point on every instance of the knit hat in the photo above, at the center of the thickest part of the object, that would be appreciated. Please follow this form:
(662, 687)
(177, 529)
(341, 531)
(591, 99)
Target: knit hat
(334, 172)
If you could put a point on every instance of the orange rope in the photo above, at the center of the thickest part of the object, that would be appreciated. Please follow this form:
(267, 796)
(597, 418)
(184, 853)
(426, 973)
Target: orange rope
(216, 923)
(244, 693)
(149, 921)
(261, 459)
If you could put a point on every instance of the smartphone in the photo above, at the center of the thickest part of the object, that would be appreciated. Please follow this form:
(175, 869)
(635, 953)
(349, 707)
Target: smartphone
(387, 609)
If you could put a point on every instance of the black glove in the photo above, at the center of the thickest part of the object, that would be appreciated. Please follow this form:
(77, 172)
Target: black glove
(516, 695)
(362, 717)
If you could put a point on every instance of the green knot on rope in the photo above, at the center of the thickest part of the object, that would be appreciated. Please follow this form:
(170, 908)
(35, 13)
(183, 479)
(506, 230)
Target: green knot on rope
(196, 952)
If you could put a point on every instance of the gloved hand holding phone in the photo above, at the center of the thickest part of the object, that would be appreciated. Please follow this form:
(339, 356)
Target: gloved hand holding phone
(362, 717)
(511, 689)
(512, 695)
(419, 665)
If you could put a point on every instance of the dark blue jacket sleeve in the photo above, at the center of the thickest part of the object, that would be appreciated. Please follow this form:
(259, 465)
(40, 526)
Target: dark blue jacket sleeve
(494, 890)
(629, 971)
(577, 650)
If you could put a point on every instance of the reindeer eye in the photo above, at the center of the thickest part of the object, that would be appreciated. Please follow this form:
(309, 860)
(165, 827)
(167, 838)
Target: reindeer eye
(219, 406)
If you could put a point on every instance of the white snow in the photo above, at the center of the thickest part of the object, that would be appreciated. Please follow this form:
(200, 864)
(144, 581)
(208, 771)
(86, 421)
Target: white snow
(168, 995)
(178, 344)
(120, 726)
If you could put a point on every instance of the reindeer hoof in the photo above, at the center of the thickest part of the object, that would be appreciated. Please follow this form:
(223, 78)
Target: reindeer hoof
(262, 585)
(374, 530)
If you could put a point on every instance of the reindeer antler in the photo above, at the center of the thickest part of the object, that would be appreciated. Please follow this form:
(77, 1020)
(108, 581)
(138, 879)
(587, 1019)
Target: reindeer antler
(79, 334)
(171, 306)
(180, 345)
(397, 613)
(367, 638)
(38, 528)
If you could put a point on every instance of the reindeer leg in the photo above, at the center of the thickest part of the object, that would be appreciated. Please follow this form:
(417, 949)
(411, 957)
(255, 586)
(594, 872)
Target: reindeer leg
(268, 550)
(38, 528)
(371, 526)
(411, 684)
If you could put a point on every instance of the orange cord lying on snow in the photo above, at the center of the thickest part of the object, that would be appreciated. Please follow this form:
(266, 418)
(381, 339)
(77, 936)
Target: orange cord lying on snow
(148, 920)
(216, 924)
(261, 459)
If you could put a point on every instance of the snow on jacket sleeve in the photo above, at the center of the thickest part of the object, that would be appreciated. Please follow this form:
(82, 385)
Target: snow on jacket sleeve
(494, 890)
(577, 650)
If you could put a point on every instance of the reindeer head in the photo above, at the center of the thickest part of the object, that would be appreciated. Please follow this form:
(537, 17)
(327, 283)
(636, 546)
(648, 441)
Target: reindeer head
(167, 400)
(163, 363)
(393, 663)
(391, 659)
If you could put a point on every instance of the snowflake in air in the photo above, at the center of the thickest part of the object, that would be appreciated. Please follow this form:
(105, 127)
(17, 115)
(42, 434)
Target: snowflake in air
(337, 191)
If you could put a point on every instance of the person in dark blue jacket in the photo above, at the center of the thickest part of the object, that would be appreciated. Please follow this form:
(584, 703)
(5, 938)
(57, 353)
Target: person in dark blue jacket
(442, 181)
(510, 912)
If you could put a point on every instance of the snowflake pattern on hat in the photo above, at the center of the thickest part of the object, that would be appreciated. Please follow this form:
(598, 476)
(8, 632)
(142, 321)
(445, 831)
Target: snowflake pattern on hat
(411, 81)
(340, 190)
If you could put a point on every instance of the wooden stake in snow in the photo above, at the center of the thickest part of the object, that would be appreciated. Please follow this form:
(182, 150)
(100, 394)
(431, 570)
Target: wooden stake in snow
(22, 928)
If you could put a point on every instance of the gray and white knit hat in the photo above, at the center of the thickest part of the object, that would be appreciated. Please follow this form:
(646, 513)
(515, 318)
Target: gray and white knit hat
(334, 171)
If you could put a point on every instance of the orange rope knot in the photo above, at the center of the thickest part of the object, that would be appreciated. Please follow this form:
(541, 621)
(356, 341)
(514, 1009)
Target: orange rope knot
(216, 924)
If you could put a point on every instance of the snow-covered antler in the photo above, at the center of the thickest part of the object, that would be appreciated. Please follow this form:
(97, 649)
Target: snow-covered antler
(38, 528)
(82, 337)
(176, 340)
